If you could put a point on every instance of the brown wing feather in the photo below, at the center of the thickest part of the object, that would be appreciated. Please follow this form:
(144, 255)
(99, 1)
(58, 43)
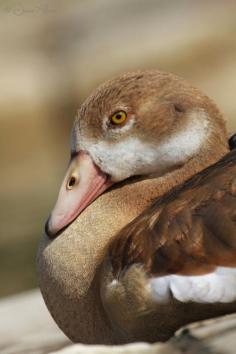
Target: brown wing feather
(190, 230)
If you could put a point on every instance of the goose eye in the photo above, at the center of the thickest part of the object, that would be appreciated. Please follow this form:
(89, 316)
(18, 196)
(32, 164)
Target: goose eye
(118, 118)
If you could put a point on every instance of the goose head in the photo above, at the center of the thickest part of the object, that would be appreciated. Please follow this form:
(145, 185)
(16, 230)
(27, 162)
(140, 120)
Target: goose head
(139, 124)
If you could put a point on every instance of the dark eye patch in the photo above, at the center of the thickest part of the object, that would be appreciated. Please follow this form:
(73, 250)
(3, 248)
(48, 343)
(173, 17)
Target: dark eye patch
(178, 108)
(232, 142)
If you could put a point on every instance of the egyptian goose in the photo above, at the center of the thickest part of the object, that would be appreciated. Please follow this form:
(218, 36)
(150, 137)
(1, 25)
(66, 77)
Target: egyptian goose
(157, 250)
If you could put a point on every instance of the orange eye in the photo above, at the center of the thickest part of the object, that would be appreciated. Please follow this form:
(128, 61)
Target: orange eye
(118, 118)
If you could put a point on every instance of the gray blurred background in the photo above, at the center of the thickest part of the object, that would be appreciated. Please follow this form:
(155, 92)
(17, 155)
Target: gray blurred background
(53, 53)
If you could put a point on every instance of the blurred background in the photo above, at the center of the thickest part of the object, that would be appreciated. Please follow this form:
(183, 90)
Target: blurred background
(53, 53)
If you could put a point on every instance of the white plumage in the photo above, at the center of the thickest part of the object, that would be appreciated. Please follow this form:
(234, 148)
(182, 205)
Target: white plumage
(219, 286)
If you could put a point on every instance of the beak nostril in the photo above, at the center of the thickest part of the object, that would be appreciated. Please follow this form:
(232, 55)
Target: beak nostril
(72, 182)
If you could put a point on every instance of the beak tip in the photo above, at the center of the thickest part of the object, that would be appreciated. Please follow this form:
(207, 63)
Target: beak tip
(47, 230)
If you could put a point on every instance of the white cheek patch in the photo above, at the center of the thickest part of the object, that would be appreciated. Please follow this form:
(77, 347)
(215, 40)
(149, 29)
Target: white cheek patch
(132, 156)
(124, 159)
(218, 286)
(185, 143)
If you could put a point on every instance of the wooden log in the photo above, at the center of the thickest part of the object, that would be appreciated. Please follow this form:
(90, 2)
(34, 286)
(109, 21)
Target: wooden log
(27, 328)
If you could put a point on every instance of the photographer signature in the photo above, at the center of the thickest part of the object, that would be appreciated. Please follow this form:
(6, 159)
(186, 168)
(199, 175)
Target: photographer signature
(19, 9)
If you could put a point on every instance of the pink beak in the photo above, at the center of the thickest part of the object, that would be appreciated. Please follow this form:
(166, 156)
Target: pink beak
(83, 183)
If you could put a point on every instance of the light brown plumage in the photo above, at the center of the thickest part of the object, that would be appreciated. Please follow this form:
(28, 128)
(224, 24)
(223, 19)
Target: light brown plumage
(95, 276)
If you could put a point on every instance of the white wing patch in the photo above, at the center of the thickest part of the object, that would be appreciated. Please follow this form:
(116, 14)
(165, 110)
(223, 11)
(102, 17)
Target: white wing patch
(218, 286)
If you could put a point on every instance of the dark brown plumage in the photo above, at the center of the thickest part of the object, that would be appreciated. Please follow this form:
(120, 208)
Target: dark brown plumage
(190, 230)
